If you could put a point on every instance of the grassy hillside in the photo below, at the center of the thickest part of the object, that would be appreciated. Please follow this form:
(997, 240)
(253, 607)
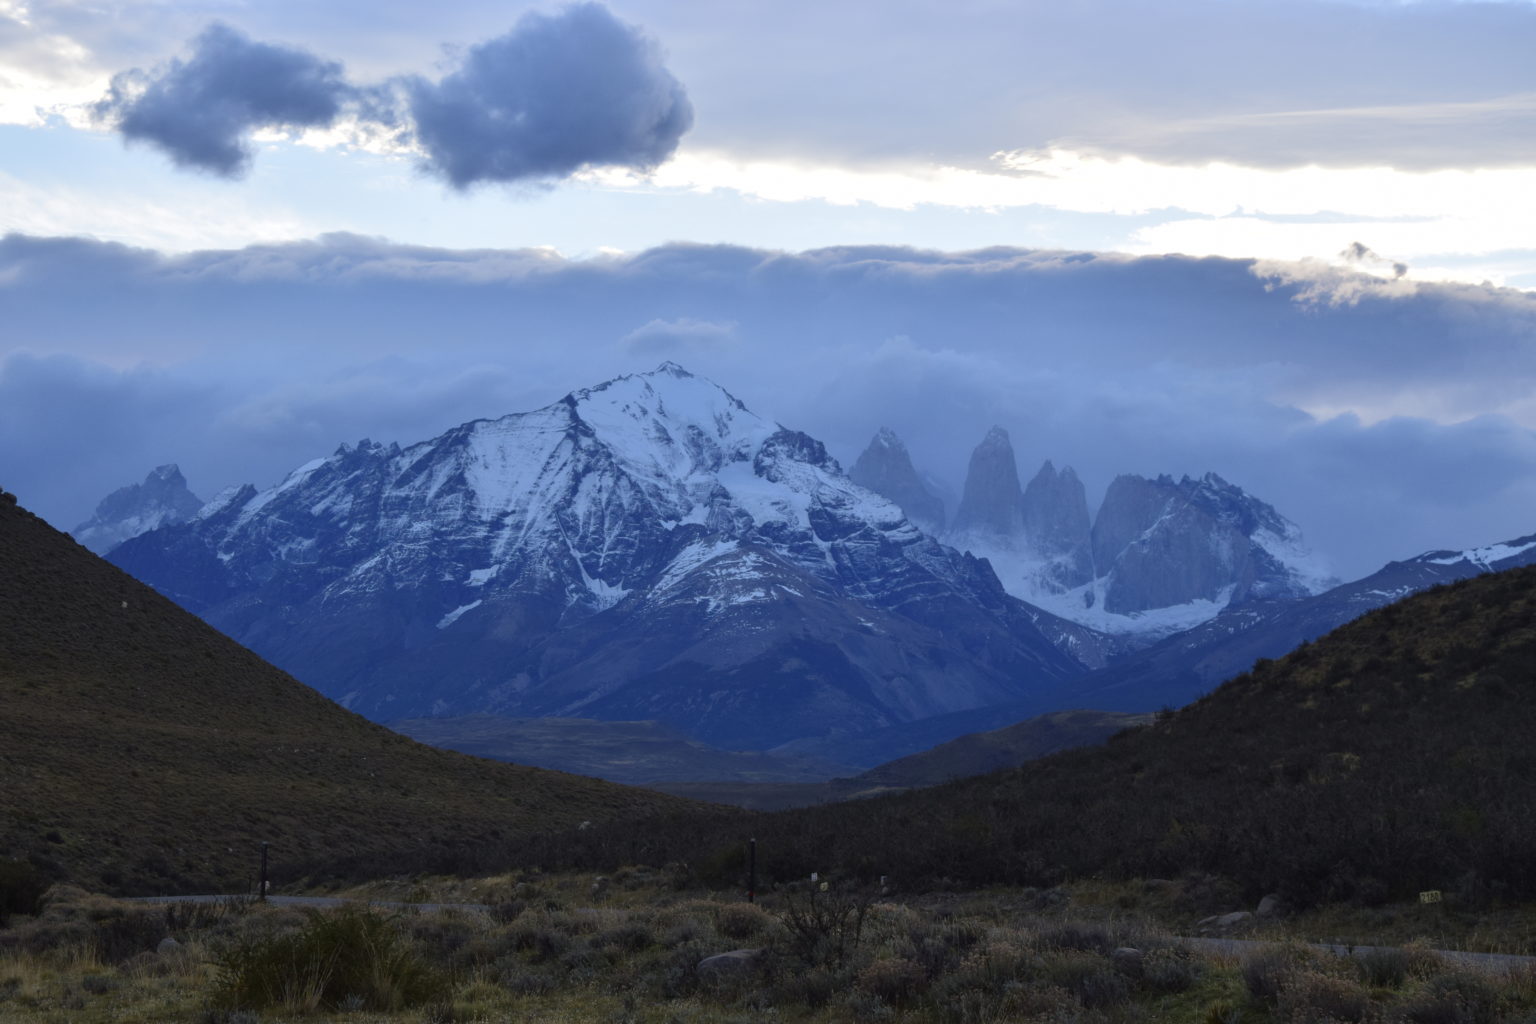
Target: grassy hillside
(1392, 756)
(142, 750)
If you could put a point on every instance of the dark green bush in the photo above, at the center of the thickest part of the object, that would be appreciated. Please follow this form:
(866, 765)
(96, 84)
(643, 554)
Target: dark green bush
(350, 956)
(21, 889)
(1170, 970)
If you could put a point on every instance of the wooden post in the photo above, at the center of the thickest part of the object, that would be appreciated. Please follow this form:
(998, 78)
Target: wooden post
(262, 885)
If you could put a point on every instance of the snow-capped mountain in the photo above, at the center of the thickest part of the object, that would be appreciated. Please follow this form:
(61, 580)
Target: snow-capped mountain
(1159, 557)
(644, 549)
(163, 498)
(1185, 665)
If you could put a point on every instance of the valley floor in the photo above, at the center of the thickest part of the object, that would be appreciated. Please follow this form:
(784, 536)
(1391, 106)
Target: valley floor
(635, 947)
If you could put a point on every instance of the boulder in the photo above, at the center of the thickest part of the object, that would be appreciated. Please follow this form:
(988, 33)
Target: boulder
(1269, 906)
(1234, 920)
(167, 945)
(734, 962)
(1127, 959)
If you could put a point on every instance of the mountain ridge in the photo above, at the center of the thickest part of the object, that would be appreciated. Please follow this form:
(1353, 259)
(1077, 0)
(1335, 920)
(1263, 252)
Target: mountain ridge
(643, 549)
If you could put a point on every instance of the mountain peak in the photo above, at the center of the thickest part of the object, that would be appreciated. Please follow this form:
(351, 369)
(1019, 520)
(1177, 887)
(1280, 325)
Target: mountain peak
(997, 437)
(885, 467)
(162, 498)
(993, 500)
(670, 369)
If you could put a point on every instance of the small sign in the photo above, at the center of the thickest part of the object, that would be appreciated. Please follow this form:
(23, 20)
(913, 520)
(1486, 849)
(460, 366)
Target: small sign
(823, 886)
(814, 876)
(1430, 896)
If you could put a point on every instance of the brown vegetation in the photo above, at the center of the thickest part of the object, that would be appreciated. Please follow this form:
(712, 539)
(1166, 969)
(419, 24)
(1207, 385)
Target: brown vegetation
(143, 751)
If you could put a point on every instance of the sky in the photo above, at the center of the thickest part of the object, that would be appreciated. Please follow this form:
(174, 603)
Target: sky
(1289, 241)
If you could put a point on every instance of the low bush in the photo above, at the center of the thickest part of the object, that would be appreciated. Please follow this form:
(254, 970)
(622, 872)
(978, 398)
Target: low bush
(1170, 970)
(742, 920)
(1312, 997)
(350, 957)
(1091, 978)
(21, 889)
(891, 980)
(1266, 972)
(1457, 997)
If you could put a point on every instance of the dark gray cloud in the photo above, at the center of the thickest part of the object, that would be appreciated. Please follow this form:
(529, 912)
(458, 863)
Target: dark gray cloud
(558, 93)
(202, 110)
(242, 364)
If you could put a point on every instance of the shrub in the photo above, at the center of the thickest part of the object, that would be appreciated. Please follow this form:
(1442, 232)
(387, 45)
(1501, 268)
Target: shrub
(1170, 970)
(741, 920)
(21, 889)
(825, 927)
(1266, 971)
(1077, 935)
(894, 981)
(1089, 977)
(1458, 997)
(1311, 997)
(347, 956)
(1392, 967)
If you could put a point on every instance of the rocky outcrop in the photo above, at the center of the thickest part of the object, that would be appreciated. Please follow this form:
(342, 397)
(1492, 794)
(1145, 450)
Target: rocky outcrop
(1163, 543)
(993, 504)
(1055, 514)
(885, 467)
(162, 499)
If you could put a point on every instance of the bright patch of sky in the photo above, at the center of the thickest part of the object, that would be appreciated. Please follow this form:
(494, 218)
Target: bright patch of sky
(943, 126)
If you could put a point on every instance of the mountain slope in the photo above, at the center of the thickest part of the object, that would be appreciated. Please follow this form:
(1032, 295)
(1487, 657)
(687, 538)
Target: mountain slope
(1392, 756)
(142, 750)
(647, 549)
(1180, 668)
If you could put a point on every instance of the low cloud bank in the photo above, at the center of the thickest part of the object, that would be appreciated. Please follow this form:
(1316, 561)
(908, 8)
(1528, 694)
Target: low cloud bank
(1385, 416)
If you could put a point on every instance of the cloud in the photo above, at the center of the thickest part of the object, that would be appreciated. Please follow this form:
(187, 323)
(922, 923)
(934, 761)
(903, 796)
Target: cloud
(1392, 421)
(201, 111)
(558, 93)
(679, 336)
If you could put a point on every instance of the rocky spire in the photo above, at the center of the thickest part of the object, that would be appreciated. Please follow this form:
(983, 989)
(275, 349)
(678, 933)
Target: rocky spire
(1055, 512)
(992, 503)
(886, 468)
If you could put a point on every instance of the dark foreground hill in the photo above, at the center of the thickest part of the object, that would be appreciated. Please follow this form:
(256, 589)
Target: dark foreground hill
(142, 750)
(1392, 756)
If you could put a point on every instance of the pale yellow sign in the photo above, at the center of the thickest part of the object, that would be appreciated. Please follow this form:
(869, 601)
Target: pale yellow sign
(1430, 896)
